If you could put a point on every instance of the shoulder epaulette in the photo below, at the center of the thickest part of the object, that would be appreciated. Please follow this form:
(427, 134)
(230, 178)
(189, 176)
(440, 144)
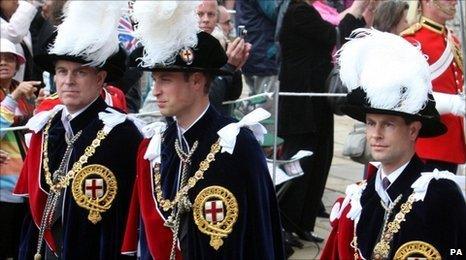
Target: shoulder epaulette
(411, 30)
(53, 96)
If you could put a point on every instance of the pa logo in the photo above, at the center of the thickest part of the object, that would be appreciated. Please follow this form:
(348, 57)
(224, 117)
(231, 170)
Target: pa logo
(456, 251)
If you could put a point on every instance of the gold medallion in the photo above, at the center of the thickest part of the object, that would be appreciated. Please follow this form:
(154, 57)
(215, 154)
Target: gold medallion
(417, 250)
(215, 211)
(94, 188)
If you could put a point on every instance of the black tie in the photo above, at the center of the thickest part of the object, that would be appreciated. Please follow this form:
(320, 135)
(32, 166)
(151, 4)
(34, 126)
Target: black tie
(385, 183)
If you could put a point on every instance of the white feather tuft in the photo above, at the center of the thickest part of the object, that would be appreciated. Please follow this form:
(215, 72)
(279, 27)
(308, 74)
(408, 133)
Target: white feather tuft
(165, 27)
(89, 30)
(393, 72)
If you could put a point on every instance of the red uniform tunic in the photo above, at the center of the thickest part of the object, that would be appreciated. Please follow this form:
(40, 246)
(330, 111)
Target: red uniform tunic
(450, 147)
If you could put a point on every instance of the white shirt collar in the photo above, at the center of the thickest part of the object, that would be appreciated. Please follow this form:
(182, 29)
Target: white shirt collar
(182, 130)
(67, 116)
(391, 177)
(394, 175)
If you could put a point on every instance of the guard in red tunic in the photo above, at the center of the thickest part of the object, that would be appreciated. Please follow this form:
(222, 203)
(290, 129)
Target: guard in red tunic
(404, 210)
(445, 59)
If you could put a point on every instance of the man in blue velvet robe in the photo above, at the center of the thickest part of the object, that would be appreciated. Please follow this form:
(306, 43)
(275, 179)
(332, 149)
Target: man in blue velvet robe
(80, 165)
(203, 187)
(406, 210)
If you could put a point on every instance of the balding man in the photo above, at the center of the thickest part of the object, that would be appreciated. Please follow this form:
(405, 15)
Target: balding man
(224, 20)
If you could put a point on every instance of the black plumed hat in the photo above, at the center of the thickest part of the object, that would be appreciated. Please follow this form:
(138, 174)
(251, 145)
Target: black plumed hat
(386, 74)
(207, 56)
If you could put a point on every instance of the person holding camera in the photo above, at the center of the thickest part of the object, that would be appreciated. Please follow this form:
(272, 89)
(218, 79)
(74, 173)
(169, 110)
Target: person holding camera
(226, 87)
(259, 17)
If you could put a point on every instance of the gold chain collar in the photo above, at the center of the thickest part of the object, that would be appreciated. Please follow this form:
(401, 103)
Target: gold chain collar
(63, 181)
(167, 204)
(382, 248)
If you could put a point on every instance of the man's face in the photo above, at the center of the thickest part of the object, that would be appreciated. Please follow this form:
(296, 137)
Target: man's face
(440, 10)
(207, 12)
(77, 85)
(173, 92)
(9, 6)
(8, 63)
(225, 21)
(390, 138)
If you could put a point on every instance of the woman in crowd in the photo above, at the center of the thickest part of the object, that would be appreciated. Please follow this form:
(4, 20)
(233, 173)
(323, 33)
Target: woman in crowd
(390, 16)
(17, 105)
(306, 42)
(15, 20)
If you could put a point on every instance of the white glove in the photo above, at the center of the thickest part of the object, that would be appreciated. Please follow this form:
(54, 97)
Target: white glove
(450, 103)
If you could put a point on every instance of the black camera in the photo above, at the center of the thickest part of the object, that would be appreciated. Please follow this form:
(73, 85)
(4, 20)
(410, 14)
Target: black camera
(242, 32)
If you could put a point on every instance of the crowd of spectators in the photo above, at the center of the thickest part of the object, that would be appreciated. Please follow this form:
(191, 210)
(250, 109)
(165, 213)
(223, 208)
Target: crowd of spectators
(287, 45)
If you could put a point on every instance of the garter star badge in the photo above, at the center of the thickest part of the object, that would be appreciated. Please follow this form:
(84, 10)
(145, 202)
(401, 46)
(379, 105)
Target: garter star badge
(94, 188)
(187, 55)
(215, 211)
(418, 250)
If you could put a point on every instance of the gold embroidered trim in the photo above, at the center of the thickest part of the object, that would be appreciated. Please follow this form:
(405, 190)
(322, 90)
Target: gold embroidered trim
(431, 25)
(167, 204)
(416, 249)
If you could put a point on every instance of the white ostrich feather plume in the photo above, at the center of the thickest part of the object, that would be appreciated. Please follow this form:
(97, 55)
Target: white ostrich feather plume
(393, 72)
(89, 30)
(165, 27)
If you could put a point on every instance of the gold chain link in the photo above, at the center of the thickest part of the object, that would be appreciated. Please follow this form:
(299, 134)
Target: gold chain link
(64, 181)
(203, 166)
(382, 249)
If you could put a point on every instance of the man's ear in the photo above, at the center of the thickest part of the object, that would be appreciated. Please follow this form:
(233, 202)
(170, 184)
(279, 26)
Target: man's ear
(101, 76)
(414, 129)
(198, 80)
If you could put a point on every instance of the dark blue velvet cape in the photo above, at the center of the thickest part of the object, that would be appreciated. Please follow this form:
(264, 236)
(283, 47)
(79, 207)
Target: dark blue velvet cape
(257, 231)
(438, 220)
(80, 238)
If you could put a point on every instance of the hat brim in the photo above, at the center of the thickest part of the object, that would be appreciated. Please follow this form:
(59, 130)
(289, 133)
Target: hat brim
(431, 126)
(47, 61)
(20, 58)
(214, 72)
(115, 65)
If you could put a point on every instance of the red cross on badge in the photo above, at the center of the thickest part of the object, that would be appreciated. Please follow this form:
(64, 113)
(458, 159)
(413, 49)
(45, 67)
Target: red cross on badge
(213, 211)
(187, 55)
(94, 188)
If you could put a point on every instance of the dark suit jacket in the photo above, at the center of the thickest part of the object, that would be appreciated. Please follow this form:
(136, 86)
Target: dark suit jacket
(306, 42)
(438, 220)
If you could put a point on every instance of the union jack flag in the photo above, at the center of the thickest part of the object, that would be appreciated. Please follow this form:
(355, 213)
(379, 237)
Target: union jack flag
(125, 33)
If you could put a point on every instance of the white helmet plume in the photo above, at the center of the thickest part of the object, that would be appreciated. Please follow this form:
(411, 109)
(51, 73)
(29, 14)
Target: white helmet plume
(163, 28)
(89, 30)
(393, 72)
